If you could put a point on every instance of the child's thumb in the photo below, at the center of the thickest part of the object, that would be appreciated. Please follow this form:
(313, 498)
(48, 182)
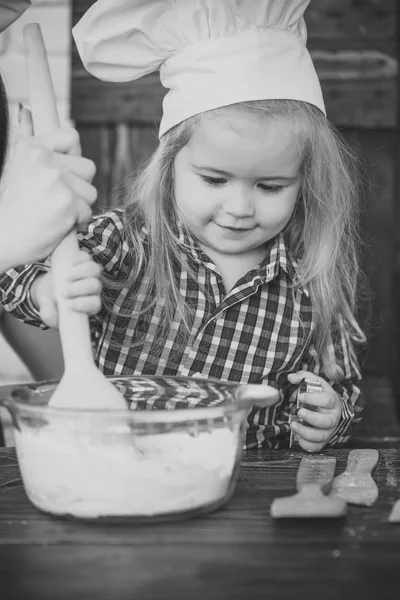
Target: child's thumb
(48, 311)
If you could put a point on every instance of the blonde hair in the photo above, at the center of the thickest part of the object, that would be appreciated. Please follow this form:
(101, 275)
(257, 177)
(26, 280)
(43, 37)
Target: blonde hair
(321, 234)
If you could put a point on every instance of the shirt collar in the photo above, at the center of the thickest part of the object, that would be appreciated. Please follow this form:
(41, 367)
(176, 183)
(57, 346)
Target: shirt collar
(277, 257)
(275, 260)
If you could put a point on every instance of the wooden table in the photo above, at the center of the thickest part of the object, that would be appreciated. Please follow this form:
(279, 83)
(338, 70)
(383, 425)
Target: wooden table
(237, 552)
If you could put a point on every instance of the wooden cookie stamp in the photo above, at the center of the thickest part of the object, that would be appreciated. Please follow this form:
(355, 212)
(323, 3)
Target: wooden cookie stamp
(355, 485)
(314, 481)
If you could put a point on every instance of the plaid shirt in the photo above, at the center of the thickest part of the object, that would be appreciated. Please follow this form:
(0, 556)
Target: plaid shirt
(253, 334)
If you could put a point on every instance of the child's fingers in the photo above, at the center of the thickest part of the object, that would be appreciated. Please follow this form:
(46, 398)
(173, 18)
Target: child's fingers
(48, 312)
(90, 305)
(310, 446)
(297, 377)
(320, 399)
(84, 287)
(309, 433)
(86, 267)
(83, 256)
(317, 419)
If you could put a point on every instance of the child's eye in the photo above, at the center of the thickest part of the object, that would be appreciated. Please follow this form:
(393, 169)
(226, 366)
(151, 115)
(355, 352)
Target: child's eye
(271, 189)
(213, 180)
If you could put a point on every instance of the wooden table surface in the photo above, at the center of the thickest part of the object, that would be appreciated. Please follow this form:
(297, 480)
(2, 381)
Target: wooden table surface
(237, 552)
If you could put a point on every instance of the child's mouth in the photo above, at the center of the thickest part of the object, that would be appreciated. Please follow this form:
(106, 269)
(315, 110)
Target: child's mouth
(236, 229)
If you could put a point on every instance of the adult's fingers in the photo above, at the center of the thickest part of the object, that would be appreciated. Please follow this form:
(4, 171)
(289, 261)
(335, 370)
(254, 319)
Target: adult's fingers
(61, 140)
(83, 210)
(80, 188)
(82, 167)
(76, 149)
(25, 130)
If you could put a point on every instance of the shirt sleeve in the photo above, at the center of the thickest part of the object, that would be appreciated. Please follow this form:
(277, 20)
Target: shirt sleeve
(102, 236)
(270, 427)
(15, 287)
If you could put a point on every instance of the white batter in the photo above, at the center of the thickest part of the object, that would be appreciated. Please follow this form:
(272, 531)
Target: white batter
(66, 472)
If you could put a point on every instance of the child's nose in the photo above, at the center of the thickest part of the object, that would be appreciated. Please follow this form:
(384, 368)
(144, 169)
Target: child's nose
(239, 203)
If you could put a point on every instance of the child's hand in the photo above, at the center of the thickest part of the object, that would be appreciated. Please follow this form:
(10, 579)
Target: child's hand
(83, 290)
(324, 422)
(44, 193)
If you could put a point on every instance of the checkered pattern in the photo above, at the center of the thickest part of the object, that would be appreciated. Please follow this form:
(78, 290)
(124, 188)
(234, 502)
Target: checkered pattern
(252, 334)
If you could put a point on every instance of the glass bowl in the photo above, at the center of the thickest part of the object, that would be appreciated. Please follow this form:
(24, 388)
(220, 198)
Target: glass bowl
(174, 453)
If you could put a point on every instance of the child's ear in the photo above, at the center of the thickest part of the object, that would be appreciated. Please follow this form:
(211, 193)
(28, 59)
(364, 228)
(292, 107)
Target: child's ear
(25, 123)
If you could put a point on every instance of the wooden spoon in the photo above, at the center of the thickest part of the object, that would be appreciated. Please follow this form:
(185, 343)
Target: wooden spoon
(314, 480)
(82, 385)
(394, 516)
(355, 485)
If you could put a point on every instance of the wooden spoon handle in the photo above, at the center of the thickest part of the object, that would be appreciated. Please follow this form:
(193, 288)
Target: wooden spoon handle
(362, 462)
(316, 471)
(394, 516)
(73, 326)
(312, 490)
(41, 91)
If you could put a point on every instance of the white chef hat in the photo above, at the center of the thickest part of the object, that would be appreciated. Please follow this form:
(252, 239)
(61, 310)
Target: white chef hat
(210, 53)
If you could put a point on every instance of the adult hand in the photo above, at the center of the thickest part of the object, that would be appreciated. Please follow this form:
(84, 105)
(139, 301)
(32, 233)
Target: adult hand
(45, 192)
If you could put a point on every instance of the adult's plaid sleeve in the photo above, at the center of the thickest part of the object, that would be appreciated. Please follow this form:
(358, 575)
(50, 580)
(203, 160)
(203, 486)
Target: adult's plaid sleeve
(102, 237)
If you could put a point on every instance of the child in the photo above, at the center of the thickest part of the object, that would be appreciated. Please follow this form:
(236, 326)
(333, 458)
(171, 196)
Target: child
(235, 258)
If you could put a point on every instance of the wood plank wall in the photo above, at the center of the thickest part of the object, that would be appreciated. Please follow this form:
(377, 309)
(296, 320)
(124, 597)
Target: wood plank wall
(353, 44)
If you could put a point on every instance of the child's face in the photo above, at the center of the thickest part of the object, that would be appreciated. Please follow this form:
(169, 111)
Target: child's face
(237, 181)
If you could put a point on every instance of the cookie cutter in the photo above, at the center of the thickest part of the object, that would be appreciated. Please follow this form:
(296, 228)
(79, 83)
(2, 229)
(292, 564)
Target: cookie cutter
(306, 385)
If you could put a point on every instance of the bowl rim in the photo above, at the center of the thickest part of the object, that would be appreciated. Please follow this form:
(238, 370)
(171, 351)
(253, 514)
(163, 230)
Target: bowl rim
(8, 392)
